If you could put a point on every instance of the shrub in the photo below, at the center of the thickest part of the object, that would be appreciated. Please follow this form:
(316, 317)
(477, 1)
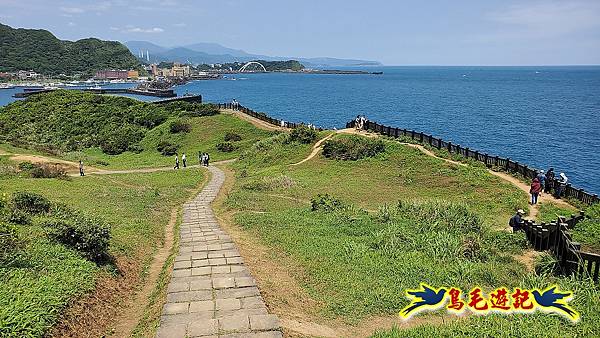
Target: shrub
(30, 202)
(18, 217)
(9, 242)
(352, 148)
(167, 148)
(226, 147)
(46, 170)
(325, 203)
(118, 139)
(232, 137)
(89, 236)
(180, 127)
(26, 166)
(303, 134)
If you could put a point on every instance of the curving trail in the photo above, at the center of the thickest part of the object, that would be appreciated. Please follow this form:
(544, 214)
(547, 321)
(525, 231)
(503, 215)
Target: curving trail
(316, 148)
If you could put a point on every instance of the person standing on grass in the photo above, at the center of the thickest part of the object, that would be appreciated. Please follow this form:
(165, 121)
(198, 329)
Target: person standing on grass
(184, 160)
(549, 180)
(200, 158)
(176, 162)
(81, 173)
(517, 220)
(542, 178)
(357, 122)
(535, 190)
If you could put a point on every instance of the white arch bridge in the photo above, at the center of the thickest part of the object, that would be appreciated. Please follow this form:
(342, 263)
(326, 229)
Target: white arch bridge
(245, 67)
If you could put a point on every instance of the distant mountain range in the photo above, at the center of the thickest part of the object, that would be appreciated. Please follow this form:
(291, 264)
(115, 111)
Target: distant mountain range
(215, 53)
(41, 51)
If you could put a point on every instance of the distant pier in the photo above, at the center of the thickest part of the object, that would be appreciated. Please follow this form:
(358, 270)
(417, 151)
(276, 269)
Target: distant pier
(166, 93)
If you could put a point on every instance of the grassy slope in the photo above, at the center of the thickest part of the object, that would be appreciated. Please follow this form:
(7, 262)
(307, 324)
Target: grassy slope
(206, 133)
(49, 275)
(336, 252)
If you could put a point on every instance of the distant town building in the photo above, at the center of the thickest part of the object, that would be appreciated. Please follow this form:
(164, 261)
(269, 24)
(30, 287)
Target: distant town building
(111, 74)
(114, 74)
(27, 75)
(180, 70)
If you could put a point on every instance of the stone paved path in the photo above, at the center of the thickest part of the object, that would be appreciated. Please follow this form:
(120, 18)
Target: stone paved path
(211, 293)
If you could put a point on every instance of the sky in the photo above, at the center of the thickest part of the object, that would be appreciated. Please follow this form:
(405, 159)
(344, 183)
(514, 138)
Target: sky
(403, 32)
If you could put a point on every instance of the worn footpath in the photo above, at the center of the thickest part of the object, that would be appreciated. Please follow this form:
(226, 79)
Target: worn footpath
(211, 293)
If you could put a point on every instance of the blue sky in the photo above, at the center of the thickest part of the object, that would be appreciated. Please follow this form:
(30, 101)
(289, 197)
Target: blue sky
(451, 32)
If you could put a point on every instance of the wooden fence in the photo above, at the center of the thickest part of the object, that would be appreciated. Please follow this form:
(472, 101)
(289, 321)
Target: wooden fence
(489, 160)
(262, 116)
(556, 238)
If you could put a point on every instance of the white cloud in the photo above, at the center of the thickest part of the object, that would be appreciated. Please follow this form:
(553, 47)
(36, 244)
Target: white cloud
(143, 30)
(71, 24)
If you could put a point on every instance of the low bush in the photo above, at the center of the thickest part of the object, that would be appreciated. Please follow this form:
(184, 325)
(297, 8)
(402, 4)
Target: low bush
(180, 127)
(26, 166)
(232, 137)
(167, 148)
(89, 236)
(30, 202)
(325, 203)
(352, 148)
(46, 170)
(114, 141)
(303, 134)
(226, 147)
(9, 242)
(17, 217)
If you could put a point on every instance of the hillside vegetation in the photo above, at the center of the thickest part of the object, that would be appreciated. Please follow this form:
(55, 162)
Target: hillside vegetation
(41, 51)
(73, 120)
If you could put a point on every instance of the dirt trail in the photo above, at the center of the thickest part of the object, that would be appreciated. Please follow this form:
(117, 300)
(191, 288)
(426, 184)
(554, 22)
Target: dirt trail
(132, 313)
(256, 122)
(316, 148)
(70, 167)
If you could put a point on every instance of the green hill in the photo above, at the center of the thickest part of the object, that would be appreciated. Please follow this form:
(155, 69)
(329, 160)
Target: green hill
(41, 51)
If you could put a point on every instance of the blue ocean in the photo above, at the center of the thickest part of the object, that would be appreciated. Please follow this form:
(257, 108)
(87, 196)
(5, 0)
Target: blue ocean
(541, 116)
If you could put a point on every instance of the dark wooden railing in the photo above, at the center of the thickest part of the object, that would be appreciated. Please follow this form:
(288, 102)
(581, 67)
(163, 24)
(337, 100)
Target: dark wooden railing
(489, 160)
(556, 238)
(262, 116)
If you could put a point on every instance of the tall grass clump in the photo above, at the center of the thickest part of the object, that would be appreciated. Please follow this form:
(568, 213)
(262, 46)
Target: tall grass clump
(352, 148)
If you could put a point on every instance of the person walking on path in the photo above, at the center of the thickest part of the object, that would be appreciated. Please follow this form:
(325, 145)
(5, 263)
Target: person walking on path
(184, 160)
(357, 122)
(561, 184)
(81, 173)
(200, 154)
(176, 162)
(535, 190)
(234, 104)
(517, 220)
(542, 178)
(207, 159)
(549, 180)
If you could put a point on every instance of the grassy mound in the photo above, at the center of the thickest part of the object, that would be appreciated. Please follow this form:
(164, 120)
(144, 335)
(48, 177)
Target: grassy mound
(70, 120)
(352, 148)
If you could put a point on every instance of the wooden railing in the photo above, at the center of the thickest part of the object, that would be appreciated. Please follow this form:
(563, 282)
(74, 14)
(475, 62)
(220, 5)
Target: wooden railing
(556, 238)
(489, 160)
(262, 116)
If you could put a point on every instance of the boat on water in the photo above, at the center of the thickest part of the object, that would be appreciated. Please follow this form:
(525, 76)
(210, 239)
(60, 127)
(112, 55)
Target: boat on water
(50, 87)
(96, 87)
(6, 86)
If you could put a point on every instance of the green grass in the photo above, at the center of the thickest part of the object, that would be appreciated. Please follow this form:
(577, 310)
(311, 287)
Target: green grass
(40, 283)
(587, 232)
(357, 264)
(206, 133)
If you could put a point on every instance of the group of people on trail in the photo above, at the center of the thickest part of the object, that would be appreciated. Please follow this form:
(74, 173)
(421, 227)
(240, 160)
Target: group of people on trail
(203, 158)
(359, 122)
(545, 182)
